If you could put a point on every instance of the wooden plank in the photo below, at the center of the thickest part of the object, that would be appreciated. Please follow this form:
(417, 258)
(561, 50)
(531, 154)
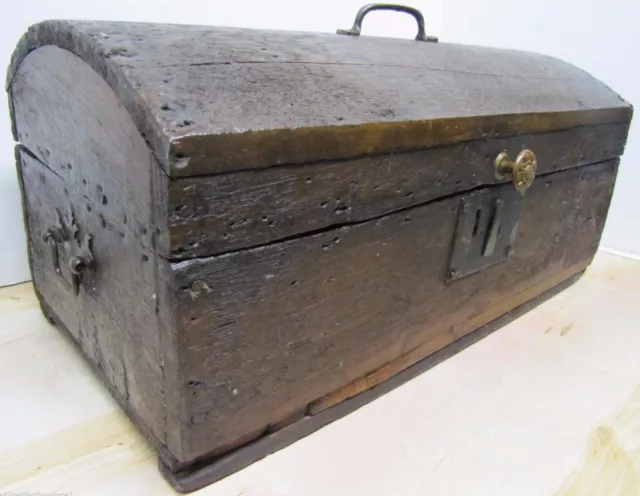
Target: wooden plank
(208, 472)
(268, 329)
(86, 154)
(353, 97)
(155, 45)
(559, 390)
(215, 214)
(113, 319)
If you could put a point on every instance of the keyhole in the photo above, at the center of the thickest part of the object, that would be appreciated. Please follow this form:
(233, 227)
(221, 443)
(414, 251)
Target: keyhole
(495, 229)
(476, 225)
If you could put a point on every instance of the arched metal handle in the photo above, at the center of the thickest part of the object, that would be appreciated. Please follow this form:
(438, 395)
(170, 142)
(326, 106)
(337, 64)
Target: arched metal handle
(357, 23)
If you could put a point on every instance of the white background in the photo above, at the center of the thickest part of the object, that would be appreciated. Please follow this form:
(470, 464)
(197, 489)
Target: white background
(600, 37)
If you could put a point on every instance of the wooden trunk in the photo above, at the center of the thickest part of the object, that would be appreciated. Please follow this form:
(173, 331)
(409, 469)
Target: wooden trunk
(251, 233)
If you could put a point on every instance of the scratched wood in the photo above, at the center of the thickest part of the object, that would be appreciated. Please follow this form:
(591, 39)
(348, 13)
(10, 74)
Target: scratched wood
(284, 98)
(219, 213)
(273, 213)
(271, 328)
(82, 159)
(287, 434)
(572, 397)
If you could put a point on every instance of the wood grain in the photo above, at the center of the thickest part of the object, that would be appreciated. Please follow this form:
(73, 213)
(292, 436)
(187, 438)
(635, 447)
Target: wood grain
(215, 214)
(85, 153)
(268, 329)
(208, 472)
(334, 96)
(273, 213)
(525, 378)
(112, 320)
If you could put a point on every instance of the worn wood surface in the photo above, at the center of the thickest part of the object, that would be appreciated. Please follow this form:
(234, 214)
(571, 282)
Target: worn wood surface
(85, 153)
(547, 405)
(268, 329)
(322, 412)
(113, 318)
(315, 279)
(217, 99)
(214, 214)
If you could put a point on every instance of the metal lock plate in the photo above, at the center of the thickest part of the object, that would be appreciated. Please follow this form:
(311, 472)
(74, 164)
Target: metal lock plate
(486, 230)
(65, 236)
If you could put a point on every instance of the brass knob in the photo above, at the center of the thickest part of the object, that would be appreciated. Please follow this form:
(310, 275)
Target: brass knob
(523, 170)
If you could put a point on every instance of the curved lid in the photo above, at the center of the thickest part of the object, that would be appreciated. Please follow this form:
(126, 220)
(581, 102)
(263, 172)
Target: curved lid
(211, 99)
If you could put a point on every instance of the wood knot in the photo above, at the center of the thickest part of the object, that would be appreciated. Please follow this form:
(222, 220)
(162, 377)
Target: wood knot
(118, 52)
(197, 289)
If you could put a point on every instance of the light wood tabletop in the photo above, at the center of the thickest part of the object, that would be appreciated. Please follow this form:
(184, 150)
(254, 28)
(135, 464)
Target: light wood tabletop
(547, 405)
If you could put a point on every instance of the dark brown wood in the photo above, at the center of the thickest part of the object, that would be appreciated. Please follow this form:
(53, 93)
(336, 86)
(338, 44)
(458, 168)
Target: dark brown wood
(215, 214)
(212, 471)
(90, 157)
(217, 99)
(268, 329)
(113, 319)
(272, 215)
(164, 456)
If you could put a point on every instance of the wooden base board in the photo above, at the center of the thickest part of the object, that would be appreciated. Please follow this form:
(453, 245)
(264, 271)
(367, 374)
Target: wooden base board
(157, 445)
(205, 473)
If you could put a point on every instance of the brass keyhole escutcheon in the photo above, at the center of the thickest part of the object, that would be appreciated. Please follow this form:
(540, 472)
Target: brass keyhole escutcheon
(522, 170)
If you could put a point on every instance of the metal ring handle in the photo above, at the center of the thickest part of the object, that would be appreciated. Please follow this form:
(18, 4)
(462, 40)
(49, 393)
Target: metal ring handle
(357, 23)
